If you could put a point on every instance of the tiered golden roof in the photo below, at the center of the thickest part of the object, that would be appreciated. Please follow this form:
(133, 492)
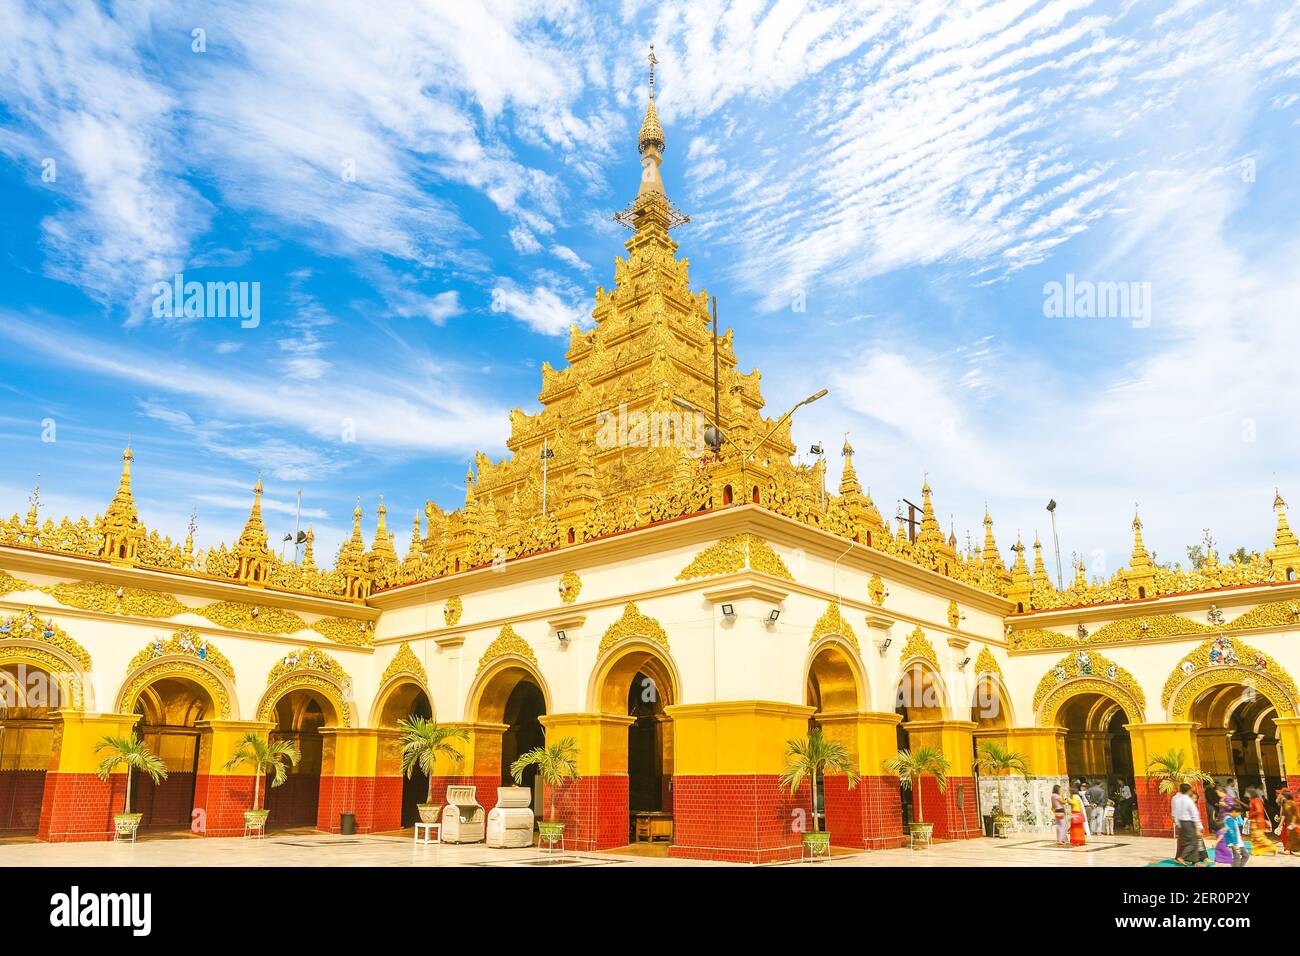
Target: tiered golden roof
(622, 429)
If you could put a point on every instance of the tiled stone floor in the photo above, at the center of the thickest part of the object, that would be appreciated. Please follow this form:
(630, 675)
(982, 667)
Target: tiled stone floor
(319, 849)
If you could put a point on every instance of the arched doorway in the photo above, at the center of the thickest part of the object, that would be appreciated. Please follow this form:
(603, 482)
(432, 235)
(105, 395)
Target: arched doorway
(832, 688)
(299, 716)
(512, 698)
(918, 698)
(1238, 738)
(638, 682)
(26, 741)
(170, 709)
(1098, 750)
(405, 700)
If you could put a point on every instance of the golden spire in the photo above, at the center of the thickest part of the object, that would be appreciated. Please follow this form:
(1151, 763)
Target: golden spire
(989, 552)
(1021, 587)
(352, 561)
(1041, 578)
(1141, 574)
(309, 551)
(382, 551)
(252, 550)
(650, 142)
(1284, 556)
(120, 526)
(849, 477)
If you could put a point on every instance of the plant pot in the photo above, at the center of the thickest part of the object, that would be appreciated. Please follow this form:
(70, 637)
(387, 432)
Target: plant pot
(256, 819)
(429, 812)
(1001, 823)
(125, 824)
(921, 834)
(817, 844)
(550, 831)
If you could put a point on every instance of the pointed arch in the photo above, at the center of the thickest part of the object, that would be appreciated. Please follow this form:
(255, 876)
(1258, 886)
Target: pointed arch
(1084, 672)
(1222, 661)
(833, 668)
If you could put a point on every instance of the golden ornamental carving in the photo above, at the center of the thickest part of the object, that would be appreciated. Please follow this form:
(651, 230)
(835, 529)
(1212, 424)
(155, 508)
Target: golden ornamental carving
(986, 663)
(185, 642)
(345, 630)
(633, 624)
(107, 599)
(1273, 614)
(1226, 660)
(833, 621)
(310, 669)
(9, 584)
(507, 642)
(26, 625)
(53, 665)
(735, 553)
(876, 590)
(192, 669)
(919, 646)
(252, 617)
(314, 681)
(451, 611)
(1091, 666)
(570, 586)
(404, 662)
(954, 614)
(1055, 698)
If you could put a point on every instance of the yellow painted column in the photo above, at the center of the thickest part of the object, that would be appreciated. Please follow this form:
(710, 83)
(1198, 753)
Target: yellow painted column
(1148, 741)
(954, 811)
(728, 803)
(1042, 747)
(601, 739)
(347, 776)
(595, 808)
(78, 805)
(1288, 732)
(870, 815)
(222, 795)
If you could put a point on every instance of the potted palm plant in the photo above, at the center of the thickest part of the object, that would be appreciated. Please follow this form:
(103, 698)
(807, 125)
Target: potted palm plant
(264, 757)
(131, 752)
(555, 764)
(423, 742)
(999, 761)
(811, 758)
(910, 766)
(1171, 770)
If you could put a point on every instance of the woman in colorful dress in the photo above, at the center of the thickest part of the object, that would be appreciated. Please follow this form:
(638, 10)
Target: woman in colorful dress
(1062, 817)
(1261, 830)
(1077, 833)
(1290, 823)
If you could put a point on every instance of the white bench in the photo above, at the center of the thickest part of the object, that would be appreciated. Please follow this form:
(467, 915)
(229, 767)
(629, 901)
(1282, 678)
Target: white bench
(430, 829)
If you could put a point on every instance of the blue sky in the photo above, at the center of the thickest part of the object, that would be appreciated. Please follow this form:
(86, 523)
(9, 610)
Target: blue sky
(424, 197)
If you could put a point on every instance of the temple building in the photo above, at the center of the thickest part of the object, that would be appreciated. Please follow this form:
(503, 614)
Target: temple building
(648, 571)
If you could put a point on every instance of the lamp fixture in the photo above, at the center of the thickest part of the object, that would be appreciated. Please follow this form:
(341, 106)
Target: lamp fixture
(817, 450)
(772, 615)
(882, 645)
(562, 638)
(728, 610)
(964, 662)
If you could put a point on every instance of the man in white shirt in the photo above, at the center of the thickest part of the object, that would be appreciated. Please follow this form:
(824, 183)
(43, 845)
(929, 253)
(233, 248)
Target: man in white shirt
(1187, 821)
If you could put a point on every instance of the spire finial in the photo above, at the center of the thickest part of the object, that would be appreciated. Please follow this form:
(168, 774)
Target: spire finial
(653, 60)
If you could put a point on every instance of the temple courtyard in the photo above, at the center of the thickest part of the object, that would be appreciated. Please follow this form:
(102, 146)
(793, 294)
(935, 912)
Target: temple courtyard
(325, 849)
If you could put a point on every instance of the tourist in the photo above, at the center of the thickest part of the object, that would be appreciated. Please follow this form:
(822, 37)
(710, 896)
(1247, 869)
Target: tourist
(1261, 828)
(1230, 794)
(1078, 821)
(1096, 808)
(1108, 819)
(1233, 838)
(1212, 801)
(1062, 817)
(1290, 830)
(1125, 804)
(1187, 822)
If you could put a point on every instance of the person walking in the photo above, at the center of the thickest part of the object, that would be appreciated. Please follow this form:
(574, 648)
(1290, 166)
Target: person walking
(1290, 826)
(1078, 822)
(1232, 836)
(1125, 812)
(1059, 808)
(1187, 822)
(1096, 808)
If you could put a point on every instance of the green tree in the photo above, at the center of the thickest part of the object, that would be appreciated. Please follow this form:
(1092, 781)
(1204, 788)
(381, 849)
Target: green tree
(265, 757)
(999, 761)
(811, 758)
(555, 764)
(1172, 771)
(423, 742)
(132, 752)
(909, 766)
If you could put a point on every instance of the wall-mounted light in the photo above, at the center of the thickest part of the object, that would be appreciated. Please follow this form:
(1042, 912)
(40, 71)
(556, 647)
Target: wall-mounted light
(817, 450)
(965, 661)
(882, 645)
(772, 615)
(562, 638)
(728, 610)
